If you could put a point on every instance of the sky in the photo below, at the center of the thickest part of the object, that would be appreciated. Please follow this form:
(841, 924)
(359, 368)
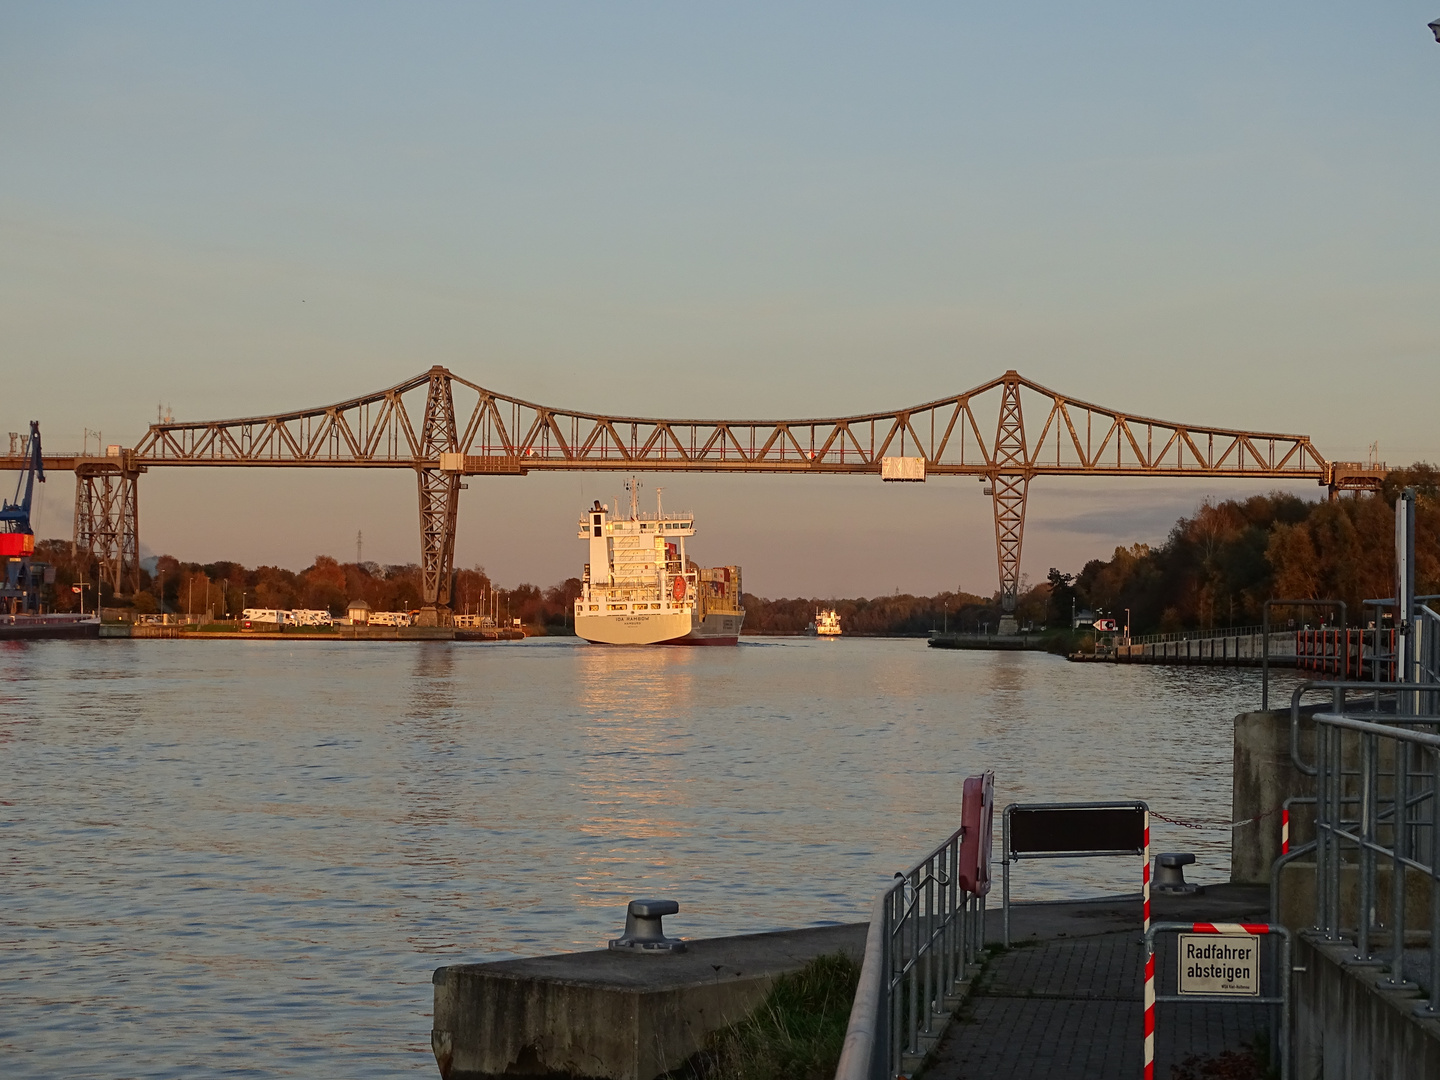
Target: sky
(1221, 215)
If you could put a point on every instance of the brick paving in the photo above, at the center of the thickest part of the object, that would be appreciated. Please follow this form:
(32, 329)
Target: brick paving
(1067, 1006)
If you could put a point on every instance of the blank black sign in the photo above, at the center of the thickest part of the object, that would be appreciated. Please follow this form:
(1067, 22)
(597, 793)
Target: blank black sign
(1121, 829)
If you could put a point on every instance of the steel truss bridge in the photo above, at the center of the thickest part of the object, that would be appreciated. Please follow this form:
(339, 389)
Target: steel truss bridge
(1006, 432)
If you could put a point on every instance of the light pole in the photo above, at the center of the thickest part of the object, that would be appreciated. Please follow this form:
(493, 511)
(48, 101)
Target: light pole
(1127, 626)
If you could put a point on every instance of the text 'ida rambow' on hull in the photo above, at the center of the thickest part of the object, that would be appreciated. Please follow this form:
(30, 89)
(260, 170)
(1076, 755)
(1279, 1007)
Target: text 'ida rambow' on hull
(640, 589)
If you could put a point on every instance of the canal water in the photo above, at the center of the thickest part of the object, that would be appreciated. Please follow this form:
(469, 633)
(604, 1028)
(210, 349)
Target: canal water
(245, 858)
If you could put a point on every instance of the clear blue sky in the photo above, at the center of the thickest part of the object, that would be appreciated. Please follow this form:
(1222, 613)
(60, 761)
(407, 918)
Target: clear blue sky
(1220, 213)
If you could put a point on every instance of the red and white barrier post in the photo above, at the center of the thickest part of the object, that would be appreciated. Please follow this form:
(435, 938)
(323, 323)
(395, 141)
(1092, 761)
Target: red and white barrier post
(1145, 888)
(1149, 1009)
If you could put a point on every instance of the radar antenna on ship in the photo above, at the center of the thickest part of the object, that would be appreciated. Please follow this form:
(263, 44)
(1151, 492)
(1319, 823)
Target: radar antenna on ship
(633, 487)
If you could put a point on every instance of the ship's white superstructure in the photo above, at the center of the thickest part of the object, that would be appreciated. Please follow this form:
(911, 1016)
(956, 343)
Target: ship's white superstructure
(640, 588)
(827, 623)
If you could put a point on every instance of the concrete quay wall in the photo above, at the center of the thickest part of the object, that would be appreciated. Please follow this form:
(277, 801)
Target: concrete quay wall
(1263, 777)
(1234, 650)
(607, 1015)
(1347, 1028)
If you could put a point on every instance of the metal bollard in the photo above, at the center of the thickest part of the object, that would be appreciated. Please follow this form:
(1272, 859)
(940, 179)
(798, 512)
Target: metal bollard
(1170, 873)
(643, 930)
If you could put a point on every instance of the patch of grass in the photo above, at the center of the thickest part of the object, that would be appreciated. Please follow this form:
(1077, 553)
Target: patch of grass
(795, 1034)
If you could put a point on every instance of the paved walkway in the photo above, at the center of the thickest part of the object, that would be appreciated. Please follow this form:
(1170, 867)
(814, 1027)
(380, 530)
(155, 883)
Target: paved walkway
(1066, 1002)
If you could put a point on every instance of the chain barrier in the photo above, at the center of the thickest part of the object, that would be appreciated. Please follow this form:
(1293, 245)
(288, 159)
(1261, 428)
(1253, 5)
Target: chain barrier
(1215, 825)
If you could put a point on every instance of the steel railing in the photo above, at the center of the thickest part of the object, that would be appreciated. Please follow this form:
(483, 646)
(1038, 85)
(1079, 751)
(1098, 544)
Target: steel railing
(1197, 635)
(926, 933)
(1377, 802)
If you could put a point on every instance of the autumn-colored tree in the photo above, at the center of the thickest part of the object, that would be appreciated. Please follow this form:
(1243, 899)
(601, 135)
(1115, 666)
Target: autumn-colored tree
(1219, 567)
(1292, 553)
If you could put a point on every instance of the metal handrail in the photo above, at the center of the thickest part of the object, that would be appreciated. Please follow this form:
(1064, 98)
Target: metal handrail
(925, 933)
(867, 1032)
(1361, 834)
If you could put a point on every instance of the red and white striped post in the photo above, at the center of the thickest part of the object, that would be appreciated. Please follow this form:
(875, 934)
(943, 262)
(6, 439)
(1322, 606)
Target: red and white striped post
(1146, 879)
(1285, 830)
(1149, 1013)
(1149, 964)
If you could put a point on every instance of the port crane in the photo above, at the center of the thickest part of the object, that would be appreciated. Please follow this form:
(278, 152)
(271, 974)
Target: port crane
(20, 592)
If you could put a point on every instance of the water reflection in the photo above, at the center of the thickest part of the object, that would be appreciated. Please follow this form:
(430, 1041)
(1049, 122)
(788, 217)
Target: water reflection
(631, 778)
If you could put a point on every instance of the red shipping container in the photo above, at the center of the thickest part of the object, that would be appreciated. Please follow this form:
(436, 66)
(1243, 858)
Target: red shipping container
(17, 544)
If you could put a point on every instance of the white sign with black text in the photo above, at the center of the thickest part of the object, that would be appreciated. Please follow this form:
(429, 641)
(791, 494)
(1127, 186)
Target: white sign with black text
(1227, 965)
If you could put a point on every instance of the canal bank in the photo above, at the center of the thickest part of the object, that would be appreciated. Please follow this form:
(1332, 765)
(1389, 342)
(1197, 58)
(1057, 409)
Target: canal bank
(143, 631)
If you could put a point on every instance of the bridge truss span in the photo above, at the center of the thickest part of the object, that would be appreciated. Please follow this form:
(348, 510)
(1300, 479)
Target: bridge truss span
(1005, 432)
(956, 435)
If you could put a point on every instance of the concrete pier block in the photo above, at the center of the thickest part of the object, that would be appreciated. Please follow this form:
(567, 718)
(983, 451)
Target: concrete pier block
(609, 1015)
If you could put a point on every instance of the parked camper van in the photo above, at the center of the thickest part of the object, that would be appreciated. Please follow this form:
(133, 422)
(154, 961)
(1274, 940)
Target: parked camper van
(262, 619)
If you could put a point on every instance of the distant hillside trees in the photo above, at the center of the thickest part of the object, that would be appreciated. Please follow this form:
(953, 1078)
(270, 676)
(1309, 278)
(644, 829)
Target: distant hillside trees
(900, 614)
(1218, 567)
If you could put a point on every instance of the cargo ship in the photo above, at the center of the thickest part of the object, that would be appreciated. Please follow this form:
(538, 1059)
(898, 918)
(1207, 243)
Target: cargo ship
(826, 624)
(640, 588)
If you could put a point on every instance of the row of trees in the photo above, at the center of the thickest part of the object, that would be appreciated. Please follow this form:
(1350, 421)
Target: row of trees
(221, 590)
(1219, 567)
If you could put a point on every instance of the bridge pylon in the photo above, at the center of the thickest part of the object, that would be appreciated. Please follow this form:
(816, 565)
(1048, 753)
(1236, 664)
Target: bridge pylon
(107, 520)
(439, 500)
(1009, 485)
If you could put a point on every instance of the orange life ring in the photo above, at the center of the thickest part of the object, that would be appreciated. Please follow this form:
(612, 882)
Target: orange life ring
(678, 588)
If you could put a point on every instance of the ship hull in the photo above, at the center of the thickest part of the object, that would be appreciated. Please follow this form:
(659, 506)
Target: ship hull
(633, 628)
(659, 628)
(713, 630)
(42, 627)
